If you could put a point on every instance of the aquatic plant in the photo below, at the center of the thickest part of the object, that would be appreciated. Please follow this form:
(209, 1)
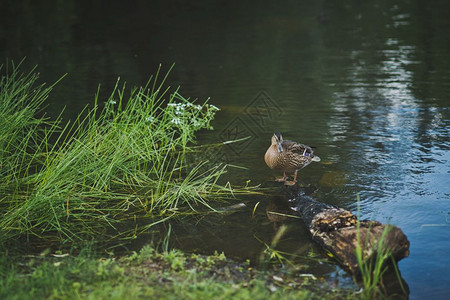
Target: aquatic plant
(21, 131)
(270, 253)
(121, 161)
(372, 270)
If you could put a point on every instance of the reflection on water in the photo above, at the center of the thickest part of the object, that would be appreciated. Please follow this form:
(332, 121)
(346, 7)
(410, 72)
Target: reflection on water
(367, 83)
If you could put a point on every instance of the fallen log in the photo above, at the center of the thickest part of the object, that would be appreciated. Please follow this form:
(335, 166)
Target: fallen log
(337, 231)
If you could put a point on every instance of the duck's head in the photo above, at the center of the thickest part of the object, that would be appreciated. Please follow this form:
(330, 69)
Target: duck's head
(277, 139)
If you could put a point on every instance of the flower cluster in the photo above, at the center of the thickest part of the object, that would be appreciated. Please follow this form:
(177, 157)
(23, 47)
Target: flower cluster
(191, 116)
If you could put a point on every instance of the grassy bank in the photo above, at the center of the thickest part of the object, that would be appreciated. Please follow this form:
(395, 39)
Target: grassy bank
(151, 274)
(121, 161)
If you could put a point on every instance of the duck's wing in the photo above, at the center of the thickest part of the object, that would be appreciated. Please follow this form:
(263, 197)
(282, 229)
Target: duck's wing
(298, 148)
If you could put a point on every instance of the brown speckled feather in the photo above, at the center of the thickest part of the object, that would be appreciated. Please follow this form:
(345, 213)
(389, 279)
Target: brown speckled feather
(294, 156)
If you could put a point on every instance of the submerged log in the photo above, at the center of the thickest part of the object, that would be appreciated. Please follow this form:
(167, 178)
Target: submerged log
(337, 231)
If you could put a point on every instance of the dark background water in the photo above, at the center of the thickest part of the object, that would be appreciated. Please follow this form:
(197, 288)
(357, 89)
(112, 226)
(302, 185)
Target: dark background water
(367, 83)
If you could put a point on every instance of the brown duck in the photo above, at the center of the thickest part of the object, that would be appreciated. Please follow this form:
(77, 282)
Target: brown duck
(288, 156)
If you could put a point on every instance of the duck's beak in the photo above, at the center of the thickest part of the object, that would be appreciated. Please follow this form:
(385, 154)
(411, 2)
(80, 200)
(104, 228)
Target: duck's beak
(279, 148)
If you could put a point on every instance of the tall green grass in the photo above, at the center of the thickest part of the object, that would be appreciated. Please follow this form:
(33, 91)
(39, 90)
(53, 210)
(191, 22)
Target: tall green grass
(120, 162)
(21, 131)
(372, 270)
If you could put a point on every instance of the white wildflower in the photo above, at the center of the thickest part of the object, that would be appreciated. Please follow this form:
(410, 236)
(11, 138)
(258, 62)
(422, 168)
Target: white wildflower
(149, 119)
(196, 123)
(176, 121)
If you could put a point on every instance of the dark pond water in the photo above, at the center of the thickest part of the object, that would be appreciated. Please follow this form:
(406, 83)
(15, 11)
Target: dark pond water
(367, 83)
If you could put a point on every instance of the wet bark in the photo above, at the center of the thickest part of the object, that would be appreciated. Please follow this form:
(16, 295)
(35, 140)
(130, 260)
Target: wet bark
(337, 230)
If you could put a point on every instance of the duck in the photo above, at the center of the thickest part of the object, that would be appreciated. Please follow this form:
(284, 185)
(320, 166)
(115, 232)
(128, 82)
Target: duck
(288, 156)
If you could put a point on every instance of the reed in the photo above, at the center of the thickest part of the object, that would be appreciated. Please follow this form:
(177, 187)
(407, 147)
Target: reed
(372, 270)
(21, 131)
(118, 162)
